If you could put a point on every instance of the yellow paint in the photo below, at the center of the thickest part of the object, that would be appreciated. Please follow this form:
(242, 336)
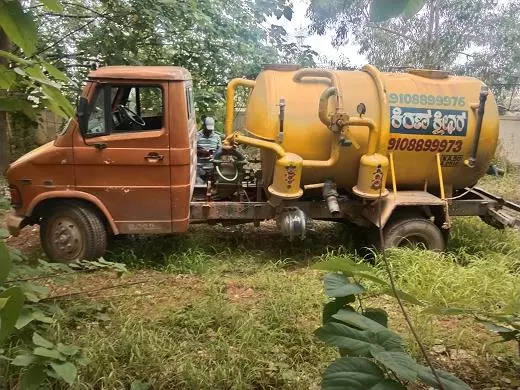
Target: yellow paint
(441, 180)
(230, 101)
(310, 129)
(287, 177)
(392, 171)
(373, 170)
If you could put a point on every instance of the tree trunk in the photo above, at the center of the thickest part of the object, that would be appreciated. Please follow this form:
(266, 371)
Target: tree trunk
(4, 137)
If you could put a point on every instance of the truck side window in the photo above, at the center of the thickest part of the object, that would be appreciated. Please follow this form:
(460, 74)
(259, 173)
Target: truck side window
(96, 120)
(136, 108)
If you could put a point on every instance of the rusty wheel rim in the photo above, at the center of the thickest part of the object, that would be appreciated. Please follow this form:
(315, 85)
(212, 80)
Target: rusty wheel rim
(66, 239)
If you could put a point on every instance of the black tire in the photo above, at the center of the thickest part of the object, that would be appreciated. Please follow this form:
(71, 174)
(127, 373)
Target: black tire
(414, 232)
(72, 231)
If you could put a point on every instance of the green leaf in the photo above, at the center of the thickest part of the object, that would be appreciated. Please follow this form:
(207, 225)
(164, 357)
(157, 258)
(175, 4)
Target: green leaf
(23, 360)
(413, 7)
(55, 97)
(36, 75)
(449, 381)
(66, 371)
(381, 10)
(495, 327)
(359, 321)
(447, 311)
(3, 302)
(5, 262)
(337, 285)
(41, 342)
(34, 292)
(49, 353)
(356, 342)
(7, 78)
(139, 385)
(18, 26)
(404, 296)
(55, 72)
(53, 5)
(346, 266)
(378, 315)
(354, 373)
(25, 318)
(69, 350)
(12, 104)
(332, 307)
(12, 57)
(10, 312)
(32, 378)
(399, 362)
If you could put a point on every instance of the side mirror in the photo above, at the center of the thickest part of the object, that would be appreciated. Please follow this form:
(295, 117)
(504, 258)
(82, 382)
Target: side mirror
(83, 114)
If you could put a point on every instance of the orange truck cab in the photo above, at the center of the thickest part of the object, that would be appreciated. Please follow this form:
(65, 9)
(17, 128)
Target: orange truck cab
(127, 164)
(131, 171)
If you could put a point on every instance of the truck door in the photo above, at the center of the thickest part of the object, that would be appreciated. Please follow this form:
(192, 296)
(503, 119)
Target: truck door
(124, 158)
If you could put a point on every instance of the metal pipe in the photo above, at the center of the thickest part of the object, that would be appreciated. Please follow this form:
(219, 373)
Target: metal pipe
(374, 131)
(441, 180)
(230, 101)
(322, 73)
(282, 120)
(332, 160)
(392, 172)
(470, 162)
(384, 114)
(323, 108)
(330, 194)
(259, 143)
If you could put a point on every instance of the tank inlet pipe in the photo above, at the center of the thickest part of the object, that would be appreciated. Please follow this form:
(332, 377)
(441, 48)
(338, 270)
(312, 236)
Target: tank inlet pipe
(326, 74)
(470, 162)
(384, 115)
(234, 138)
(230, 102)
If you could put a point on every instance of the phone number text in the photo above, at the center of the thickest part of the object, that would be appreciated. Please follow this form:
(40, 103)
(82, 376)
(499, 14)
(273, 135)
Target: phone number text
(431, 100)
(428, 145)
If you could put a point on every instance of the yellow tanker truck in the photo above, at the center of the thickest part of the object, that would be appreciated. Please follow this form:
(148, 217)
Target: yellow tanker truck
(400, 151)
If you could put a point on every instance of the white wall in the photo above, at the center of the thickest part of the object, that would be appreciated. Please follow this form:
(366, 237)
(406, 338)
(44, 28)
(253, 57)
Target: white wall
(509, 137)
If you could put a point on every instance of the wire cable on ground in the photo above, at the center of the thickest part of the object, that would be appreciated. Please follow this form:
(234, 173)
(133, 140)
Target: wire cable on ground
(399, 301)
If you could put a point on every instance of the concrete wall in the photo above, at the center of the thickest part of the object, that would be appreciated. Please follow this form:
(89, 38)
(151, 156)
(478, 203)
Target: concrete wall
(509, 138)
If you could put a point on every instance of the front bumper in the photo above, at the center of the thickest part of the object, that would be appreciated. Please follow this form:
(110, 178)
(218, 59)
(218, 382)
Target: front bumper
(14, 223)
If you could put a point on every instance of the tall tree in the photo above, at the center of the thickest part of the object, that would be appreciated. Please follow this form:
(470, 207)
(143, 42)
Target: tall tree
(4, 139)
(434, 37)
(214, 39)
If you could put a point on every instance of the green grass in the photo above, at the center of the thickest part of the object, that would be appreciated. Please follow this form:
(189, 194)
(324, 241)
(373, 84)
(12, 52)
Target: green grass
(235, 308)
(507, 186)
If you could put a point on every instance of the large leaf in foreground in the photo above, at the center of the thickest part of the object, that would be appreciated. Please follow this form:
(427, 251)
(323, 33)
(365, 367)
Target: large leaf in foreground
(338, 285)
(11, 310)
(356, 374)
(356, 342)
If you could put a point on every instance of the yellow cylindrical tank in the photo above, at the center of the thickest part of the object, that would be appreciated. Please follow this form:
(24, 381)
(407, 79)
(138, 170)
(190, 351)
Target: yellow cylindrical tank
(417, 114)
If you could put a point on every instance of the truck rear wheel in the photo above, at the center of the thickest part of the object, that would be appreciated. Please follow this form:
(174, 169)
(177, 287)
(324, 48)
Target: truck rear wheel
(413, 232)
(73, 232)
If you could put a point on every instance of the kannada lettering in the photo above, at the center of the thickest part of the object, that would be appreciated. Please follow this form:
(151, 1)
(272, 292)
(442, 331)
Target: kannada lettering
(425, 121)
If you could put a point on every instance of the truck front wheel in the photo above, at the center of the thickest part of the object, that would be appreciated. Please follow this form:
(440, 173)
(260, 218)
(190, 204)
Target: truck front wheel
(414, 232)
(72, 232)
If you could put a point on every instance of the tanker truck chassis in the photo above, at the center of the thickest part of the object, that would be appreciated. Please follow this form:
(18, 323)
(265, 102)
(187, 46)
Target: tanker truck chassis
(397, 151)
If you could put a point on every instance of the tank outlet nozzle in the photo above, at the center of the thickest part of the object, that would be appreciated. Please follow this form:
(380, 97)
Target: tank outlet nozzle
(330, 194)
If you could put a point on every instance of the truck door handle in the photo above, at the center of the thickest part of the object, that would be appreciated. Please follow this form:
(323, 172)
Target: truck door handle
(154, 157)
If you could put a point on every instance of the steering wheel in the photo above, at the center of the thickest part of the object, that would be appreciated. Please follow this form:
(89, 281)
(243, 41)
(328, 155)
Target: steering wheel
(127, 113)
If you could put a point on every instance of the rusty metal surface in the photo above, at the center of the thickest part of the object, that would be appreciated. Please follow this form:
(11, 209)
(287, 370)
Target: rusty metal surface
(141, 73)
(259, 211)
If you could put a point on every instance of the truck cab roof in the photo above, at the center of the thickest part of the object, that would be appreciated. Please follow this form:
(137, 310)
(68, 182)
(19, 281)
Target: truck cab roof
(175, 73)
